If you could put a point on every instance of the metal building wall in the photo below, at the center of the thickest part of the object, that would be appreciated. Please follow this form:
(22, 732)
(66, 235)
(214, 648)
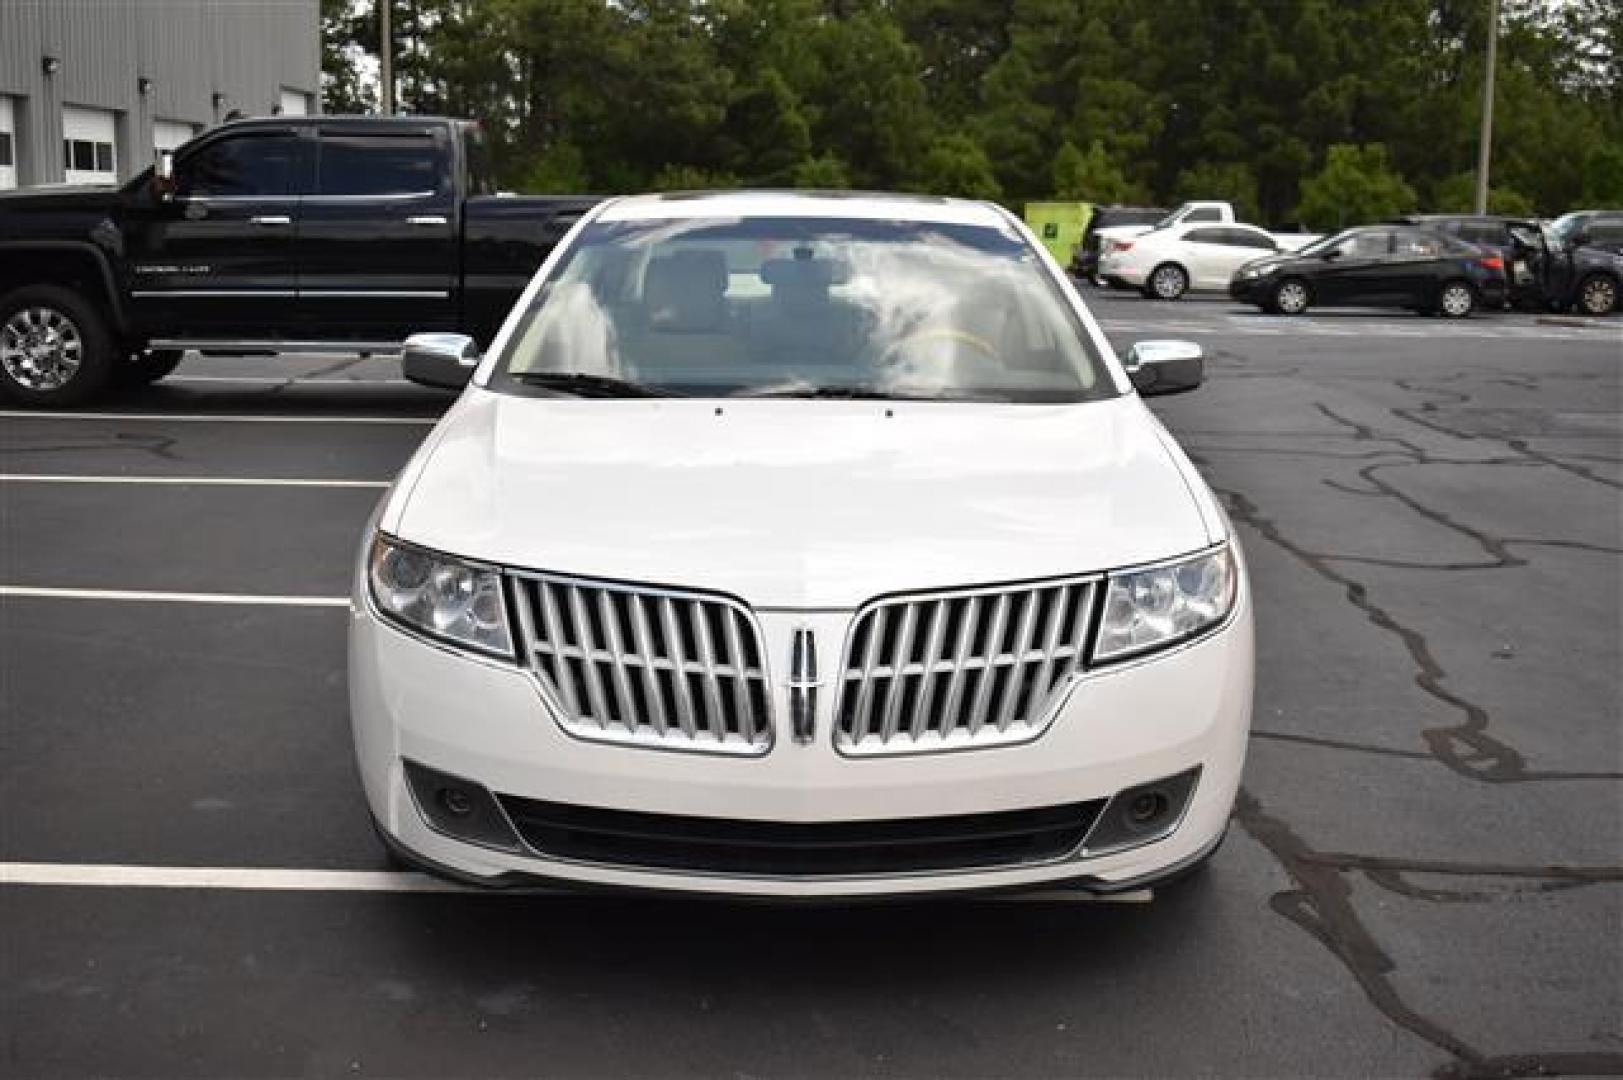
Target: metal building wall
(244, 51)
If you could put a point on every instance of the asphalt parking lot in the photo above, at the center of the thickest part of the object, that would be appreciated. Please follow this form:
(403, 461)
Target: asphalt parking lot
(1426, 877)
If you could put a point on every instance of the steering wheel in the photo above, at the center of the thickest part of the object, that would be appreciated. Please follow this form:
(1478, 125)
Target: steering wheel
(985, 350)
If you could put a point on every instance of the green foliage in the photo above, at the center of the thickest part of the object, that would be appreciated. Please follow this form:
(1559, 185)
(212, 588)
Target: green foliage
(1232, 181)
(956, 165)
(1603, 175)
(1457, 194)
(1024, 99)
(691, 178)
(825, 172)
(1356, 185)
(1091, 176)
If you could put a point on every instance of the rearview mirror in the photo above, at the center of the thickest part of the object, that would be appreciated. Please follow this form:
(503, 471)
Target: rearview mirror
(163, 175)
(441, 360)
(1165, 367)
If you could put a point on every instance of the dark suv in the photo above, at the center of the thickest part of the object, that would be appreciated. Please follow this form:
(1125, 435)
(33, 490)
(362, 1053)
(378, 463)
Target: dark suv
(1575, 263)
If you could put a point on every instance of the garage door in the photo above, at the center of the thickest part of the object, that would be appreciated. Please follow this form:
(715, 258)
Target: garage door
(8, 143)
(295, 103)
(170, 134)
(88, 153)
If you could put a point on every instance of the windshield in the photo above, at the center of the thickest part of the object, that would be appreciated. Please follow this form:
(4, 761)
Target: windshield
(812, 307)
(1325, 243)
(1565, 225)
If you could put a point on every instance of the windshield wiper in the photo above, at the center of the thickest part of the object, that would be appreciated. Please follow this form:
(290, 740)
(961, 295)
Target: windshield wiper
(812, 390)
(856, 393)
(587, 384)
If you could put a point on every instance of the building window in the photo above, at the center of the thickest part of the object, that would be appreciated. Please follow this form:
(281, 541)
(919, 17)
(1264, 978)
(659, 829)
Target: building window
(84, 155)
(7, 160)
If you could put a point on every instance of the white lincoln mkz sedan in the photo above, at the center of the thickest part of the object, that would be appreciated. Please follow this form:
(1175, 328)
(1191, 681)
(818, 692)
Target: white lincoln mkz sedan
(801, 545)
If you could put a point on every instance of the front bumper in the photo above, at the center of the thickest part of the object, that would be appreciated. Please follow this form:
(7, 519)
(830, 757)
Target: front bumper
(488, 722)
(1250, 290)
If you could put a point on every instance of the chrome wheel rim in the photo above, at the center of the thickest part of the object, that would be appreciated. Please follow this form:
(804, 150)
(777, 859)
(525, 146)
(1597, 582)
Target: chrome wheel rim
(1292, 298)
(1456, 300)
(1168, 283)
(1600, 296)
(41, 348)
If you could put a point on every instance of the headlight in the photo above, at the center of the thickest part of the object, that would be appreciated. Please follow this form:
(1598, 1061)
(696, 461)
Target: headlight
(1149, 609)
(440, 596)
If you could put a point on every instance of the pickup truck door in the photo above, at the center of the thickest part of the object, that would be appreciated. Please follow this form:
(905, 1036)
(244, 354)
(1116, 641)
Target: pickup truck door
(378, 247)
(217, 258)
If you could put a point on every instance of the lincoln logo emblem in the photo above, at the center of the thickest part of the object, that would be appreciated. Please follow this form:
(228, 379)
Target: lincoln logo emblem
(803, 686)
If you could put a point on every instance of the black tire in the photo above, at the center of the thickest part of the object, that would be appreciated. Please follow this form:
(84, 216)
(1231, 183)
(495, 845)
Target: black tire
(1455, 300)
(1597, 295)
(1169, 281)
(1289, 297)
(153, 365)
(55, 348)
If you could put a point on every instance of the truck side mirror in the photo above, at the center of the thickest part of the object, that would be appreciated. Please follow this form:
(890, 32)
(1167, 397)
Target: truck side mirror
(445, 361)
(1165, 367)
(163, 175)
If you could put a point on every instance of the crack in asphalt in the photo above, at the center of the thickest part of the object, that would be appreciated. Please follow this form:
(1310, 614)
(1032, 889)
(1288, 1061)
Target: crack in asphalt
(1321, 905)
(1467, 748)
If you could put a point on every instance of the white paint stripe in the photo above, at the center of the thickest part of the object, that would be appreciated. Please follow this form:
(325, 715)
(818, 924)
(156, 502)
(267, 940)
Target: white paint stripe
(151, 597)
(272, 879)
(201, 418)
(184, 481)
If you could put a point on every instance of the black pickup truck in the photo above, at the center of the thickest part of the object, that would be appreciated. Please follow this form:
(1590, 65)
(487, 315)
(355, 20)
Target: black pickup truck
(323, 233)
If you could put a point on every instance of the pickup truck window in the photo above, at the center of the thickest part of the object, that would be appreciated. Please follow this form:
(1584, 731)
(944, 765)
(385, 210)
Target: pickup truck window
(393, 164)
(769, 307)
(246, 165)
(1204, 213)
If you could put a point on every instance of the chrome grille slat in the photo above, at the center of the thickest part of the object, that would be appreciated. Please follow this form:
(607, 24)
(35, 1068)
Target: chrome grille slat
(651, 667)
(950, 670)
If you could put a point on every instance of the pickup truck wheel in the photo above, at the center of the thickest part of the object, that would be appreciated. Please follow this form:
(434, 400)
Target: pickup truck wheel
(1456, 300)
(54, 347)
(149, 366)
(1167, 282)
(1597, 295)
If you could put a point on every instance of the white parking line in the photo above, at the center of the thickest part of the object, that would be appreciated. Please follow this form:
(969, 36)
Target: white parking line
(184, 481)
(97, 875)
(216, 418)
(151, 597)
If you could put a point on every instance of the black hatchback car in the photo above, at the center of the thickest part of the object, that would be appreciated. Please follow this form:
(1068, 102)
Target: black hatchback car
(1376, 266)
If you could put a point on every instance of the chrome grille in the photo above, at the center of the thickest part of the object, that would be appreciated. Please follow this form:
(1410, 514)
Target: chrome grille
(971, 668)
(647, 666)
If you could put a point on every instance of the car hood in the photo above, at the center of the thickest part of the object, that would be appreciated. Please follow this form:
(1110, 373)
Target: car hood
(1269, 262)
(798, 504)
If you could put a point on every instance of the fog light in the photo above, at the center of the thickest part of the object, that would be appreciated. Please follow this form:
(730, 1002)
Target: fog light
(456, 801)
(1142, 814)
(1147, 808)
(461, 809)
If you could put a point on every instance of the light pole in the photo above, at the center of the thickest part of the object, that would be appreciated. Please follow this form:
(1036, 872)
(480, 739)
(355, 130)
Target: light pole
(386, 57)
(1484, 149)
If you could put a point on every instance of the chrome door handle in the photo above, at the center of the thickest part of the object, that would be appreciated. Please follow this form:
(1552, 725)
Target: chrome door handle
(272, 219)
(427, 219)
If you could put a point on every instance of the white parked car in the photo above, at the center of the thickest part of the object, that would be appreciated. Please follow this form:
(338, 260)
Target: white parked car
(1167, 263)
(799, 545)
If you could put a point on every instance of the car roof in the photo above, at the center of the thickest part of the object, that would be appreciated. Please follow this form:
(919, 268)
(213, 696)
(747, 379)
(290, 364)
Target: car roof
(830, 204)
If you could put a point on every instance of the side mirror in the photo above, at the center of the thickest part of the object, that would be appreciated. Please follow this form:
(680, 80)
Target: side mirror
(1332, 255)
(163, 175)
(441, 360)
(1165, 367)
